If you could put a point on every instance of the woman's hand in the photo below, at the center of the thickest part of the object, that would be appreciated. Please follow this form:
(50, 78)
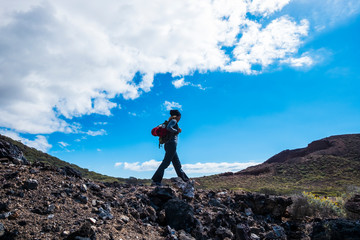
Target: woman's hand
(179, 130)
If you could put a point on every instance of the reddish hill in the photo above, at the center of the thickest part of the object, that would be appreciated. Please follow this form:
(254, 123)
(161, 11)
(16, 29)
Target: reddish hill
(328, 165)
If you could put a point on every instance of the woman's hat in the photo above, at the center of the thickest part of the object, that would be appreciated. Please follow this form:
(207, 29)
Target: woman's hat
(175, 113)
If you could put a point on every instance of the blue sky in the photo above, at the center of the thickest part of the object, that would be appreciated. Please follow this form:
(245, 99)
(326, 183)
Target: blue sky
(87, 82)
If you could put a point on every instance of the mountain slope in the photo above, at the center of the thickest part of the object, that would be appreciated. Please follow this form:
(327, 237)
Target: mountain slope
(33, 155)
(328, 166)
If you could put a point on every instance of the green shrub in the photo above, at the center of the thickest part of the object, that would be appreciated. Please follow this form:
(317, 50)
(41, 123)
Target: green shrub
(310, 205)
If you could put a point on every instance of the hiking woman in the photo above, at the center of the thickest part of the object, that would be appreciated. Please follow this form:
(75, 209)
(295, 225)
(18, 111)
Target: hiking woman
(170, 150)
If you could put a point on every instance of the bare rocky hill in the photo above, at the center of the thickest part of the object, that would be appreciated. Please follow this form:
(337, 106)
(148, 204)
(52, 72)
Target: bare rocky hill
(40, 201)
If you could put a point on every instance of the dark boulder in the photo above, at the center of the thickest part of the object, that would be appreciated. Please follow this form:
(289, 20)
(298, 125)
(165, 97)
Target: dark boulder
(30, 184)
(336, 229)
(242, 232)
(85, 232)
(81, 198)
(265, 205)
(94, 187)
(353, 204)
(69, 171)
(12, 152)
(159, 196)
(179, 215)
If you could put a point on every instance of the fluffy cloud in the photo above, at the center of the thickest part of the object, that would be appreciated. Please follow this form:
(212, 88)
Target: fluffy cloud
(171, 105)
(66, 59)
(278, 41)
(178, 83)
(100, 132)
(40, 142)
(266, 7)
(145, 166)
(197, 168)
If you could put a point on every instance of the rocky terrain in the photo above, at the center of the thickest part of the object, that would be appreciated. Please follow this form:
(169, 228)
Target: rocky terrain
(39, 201)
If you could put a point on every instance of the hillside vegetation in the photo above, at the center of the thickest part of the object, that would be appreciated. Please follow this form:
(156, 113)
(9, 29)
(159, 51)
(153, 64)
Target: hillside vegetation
(33, 155)
(328, 166)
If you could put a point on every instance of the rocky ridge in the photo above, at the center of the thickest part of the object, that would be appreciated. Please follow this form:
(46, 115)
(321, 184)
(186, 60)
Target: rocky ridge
(39, 201)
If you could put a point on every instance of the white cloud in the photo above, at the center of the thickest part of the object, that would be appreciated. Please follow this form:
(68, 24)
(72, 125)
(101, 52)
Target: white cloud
(181, 83)
(278, 41)
(63, 144)
(40, 142)
(100, 123)
(66, 59)
(304, 61)
(214, 168)
(118, 164)
(100, 132)
(266, 7)
(171, 105)
(145, 166)
(197, 168)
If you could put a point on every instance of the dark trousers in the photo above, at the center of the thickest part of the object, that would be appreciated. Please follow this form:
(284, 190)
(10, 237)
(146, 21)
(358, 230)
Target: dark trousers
(170, 156)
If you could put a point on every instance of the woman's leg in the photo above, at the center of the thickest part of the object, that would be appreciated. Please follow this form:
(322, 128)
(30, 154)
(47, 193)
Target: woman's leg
(170, 151)
(177, 166)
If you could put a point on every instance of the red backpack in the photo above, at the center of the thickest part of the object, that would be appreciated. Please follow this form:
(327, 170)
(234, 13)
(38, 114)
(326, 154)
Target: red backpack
(161, 132)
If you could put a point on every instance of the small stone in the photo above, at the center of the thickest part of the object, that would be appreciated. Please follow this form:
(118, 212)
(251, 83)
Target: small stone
(92, 220)
(248, 212)
(221, 193)
(13, 215)
(279, 232)
(33, 171)
(118, 227)
(162, 216)
(5, 215)
(105, 214)
(124, 218)
(31, 184)
(224, 233)
(253, 236)
(83, 188)
(65, 233)
(51, 208)
(2, 230)
(185, 236)
(51, 216)
(81, 198)
(94, 203)
(22, 223)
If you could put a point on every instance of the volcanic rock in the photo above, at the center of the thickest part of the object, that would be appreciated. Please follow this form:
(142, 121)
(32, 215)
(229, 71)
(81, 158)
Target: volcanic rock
(11, 152)
(353, 204)
(31, 184)
(336, 229)
(85, 232)
(179, 215)
(69, 171)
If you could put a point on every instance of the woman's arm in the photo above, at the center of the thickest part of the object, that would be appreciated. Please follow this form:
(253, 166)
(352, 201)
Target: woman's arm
(171, 125)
